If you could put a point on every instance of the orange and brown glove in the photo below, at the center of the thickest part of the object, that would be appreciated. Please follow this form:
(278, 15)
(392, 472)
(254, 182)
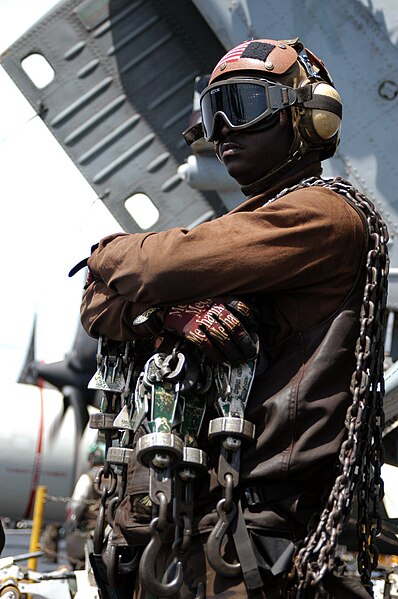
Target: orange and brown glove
(222, 328)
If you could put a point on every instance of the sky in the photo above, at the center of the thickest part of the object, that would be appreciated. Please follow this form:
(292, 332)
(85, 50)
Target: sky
(50, 216)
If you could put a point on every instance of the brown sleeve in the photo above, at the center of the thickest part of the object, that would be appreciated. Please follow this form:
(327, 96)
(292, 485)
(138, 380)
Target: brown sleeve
(104, 312)
(306, 237)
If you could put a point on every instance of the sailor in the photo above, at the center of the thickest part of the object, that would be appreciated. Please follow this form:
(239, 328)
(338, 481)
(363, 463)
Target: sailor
(82, 509)
(292, 255)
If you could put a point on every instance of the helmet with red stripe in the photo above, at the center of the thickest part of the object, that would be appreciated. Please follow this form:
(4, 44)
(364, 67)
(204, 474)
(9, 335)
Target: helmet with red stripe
(293, 78)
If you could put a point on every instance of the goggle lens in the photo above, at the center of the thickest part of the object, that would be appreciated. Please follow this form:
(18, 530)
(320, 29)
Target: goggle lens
(240, 103)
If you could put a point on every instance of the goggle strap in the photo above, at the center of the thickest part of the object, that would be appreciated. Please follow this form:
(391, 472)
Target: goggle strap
(308, 99)
(325, 103)
(193, 133)
(281, 96)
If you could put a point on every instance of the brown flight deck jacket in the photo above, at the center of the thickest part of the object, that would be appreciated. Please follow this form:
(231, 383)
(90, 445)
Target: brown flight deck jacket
(302, 257)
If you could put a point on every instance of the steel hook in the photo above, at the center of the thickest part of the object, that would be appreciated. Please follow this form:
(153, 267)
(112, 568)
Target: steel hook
(200, 593)
(147, 568)
(115, 568)
(214, 542)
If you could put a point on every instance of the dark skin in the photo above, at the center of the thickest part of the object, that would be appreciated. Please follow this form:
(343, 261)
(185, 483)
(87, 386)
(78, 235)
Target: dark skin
(249, 154)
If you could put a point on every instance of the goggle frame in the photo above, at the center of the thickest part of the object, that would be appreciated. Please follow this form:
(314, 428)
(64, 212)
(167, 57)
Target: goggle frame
(278, 96)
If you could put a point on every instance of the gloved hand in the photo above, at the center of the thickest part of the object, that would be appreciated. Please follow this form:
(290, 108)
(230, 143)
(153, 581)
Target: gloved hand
(222, 328)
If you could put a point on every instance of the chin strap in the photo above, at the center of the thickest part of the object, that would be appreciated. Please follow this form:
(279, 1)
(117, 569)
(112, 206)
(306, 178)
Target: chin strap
(270, 178)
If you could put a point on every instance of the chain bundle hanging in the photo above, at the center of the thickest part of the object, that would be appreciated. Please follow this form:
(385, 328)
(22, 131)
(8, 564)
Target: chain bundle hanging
(361, 454)
(165, 396)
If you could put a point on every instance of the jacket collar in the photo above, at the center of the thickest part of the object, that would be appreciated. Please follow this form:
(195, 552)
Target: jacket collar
(288, 180)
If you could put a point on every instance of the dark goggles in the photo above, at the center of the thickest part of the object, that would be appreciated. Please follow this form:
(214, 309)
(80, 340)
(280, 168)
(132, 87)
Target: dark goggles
(242, 103)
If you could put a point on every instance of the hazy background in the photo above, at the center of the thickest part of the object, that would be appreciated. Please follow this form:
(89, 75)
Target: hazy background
(49, 215)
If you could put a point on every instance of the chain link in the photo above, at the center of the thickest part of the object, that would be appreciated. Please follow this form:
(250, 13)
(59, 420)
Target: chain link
(56, 499)
(361, 454)
(61, 557)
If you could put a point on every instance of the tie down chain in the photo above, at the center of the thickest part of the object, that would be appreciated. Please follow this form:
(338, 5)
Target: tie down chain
(361, 454)
(165, 396)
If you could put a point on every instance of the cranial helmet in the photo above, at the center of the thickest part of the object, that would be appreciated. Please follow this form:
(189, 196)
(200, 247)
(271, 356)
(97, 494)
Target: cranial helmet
(258, 78)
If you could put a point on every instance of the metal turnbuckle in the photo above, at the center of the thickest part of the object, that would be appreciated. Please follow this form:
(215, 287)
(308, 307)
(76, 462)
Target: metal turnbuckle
(231, 426)
(194, 460)
(109, 376)
(103, 421)
(119, 456)
(165, 448)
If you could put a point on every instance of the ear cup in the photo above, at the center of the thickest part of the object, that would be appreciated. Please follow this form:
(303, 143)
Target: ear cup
(319, 125)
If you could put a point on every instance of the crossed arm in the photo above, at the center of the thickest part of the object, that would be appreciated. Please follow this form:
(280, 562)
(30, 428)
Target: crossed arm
(285, 246)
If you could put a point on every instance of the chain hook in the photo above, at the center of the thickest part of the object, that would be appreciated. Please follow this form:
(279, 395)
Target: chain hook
(226, 510)
(147, 567)
(115, 567)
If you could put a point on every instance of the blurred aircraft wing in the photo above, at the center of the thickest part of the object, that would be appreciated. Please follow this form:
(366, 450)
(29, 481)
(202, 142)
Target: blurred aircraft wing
(113, 81)
(358, 41)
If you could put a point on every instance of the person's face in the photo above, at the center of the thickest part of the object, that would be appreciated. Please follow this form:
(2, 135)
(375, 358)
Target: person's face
(249, 155)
